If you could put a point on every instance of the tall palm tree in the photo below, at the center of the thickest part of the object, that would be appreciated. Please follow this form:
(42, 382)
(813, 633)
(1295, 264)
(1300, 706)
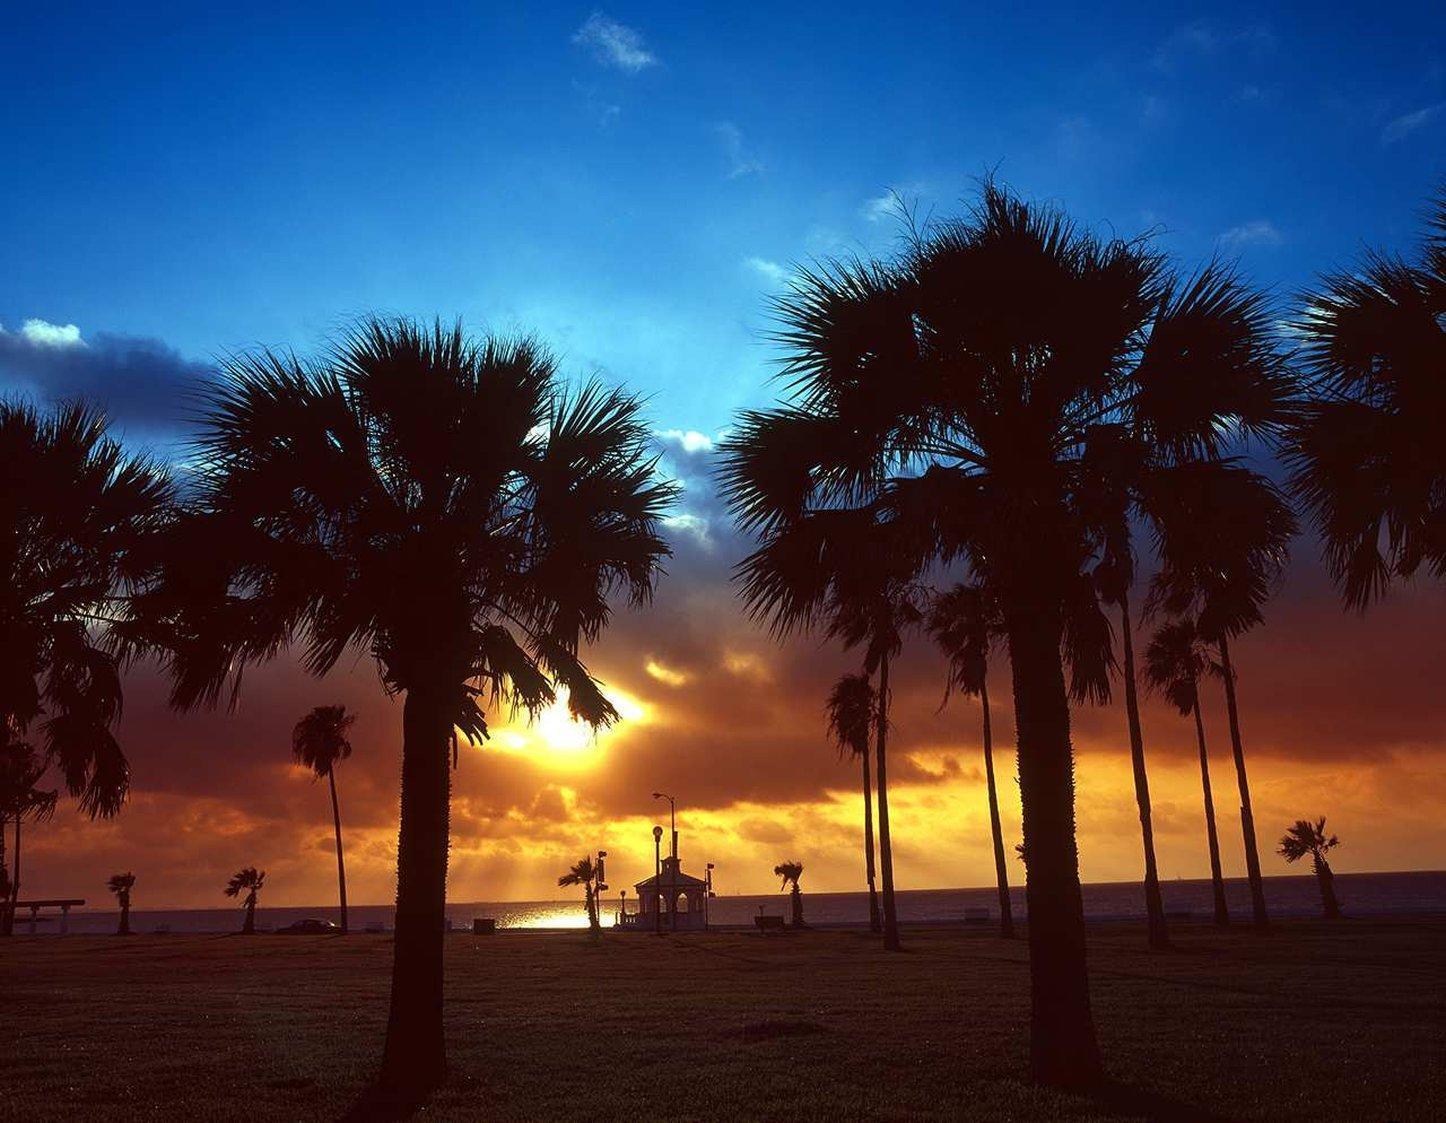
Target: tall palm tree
(21, 798)
(445, 504)
(851, 711)
(78, 520)
(960, 390)
(1224, 551)
(318, 742)
(121, 885)
(1303, 838)
(586, 874)
(1175, 661)
(249, 879)
(791, 872)
(965, 623)
(1367, 458)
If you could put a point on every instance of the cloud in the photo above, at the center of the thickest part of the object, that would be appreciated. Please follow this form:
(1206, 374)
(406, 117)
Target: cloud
(614, 44)
(140, 381)
(1406, 124)
(1260, 232)
(881, 207)
(741, 161)
(1203, 39)
(770, 271)
(689, 440)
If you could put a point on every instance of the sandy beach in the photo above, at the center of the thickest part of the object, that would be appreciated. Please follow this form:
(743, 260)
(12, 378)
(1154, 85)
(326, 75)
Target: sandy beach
(1315, 1020)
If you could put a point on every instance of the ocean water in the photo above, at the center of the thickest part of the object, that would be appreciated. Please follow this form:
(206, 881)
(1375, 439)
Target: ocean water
(1361, 894)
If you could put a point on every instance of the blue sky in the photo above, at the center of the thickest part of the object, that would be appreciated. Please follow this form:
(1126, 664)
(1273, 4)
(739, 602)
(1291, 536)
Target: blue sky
(633, 181)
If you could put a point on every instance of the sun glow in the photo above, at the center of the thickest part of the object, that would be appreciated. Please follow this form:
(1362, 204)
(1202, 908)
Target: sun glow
(555, 738)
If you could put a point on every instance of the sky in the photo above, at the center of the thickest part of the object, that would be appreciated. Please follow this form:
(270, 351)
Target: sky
(632, 183)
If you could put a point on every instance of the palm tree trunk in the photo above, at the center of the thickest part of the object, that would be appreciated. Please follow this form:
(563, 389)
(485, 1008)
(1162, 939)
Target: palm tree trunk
(15, 872)
(875, 924)
(1327, 879)
(125, 919)
(1154, 905)
(886, 848)
(1217, 881)
(7, 912)
(1247, 817)
(248, 923)
(340, 865)
(796, 900)
(414, 1059)
(1001, 869)
(1063, 1048)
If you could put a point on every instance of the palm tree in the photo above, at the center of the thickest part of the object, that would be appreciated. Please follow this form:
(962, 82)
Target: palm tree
(586, 874)
(1310, 838)
(966, 624)
(851, 711)
(80, 518)
(21, 797)
(1367, 458)
(1225, 549)
(961, 392)
(1175, 661)
(318, 742)
(251, 880)
(121, 885)
(791, 872)
(445, 504)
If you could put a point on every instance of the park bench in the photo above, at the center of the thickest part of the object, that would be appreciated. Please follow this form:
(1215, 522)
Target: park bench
(63, 905)
(767, 924)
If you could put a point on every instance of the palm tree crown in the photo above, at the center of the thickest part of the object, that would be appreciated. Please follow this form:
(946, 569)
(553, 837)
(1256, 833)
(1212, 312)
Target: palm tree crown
(79, 517)
(790, 872)
(320, 738)
(851, 714)
(248, 880)
(121, 885)
(1307, 839)
(1175, 661)
(1367, 458)
(21, 770)
(582, 873)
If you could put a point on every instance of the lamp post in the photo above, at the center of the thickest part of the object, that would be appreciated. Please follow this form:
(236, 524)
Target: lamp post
(601, 886)
(673, 870)
(707, 891)
(657, 880)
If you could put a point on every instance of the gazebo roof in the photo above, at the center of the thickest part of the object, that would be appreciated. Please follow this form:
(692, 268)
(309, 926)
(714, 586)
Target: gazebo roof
(671, 878)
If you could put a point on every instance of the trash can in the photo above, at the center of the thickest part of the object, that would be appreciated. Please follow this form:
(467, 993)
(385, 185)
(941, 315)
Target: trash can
(483, 924)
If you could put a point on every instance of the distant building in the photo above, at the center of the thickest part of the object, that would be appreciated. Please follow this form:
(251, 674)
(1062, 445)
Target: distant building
(682, 899)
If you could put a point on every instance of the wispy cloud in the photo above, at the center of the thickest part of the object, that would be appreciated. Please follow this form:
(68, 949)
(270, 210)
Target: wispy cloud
(1202, 39)
(741, 161)
(614, 44)
(770, 271)
(1260, 232)
(881, 207)
(41, 333)
(1406, 124)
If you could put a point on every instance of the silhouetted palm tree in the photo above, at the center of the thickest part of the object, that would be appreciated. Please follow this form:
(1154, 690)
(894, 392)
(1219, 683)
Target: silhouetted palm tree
(961, 391)
(446, 505)
(1175, 661)
(81, 517)
(1227, 545)
(251, 880)
(1310, 838)
(585, 873)
(791, 872)
(851, 712)
(966, 624)
(318, 742)
(1367, 458)
(121, 885)
(21, 798)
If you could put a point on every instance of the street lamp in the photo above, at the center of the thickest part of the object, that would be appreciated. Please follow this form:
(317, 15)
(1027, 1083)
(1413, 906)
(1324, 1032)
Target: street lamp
(673, 869)
(707, 891)
(657, 880)
(602, 884)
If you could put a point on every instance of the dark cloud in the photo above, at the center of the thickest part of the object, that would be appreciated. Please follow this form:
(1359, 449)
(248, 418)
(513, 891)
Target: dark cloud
(143, 383)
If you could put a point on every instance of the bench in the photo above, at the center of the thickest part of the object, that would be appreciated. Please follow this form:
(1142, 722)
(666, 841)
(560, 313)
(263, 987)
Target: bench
(767, 924)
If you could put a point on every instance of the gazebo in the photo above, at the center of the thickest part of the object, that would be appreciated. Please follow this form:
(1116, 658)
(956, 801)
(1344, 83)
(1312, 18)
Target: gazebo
(680, 898)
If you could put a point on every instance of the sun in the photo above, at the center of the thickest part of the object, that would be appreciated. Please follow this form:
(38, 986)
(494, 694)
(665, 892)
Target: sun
(554, 738)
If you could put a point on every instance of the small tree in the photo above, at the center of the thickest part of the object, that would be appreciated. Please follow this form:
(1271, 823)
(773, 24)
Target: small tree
(586, 874)
(250, 880)
(791, 872)
(1310, 838)
(121, 885)
(318, 742)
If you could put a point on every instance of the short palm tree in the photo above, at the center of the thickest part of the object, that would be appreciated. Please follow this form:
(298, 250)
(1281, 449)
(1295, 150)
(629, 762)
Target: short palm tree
(445, 504)
(1303, 838)
(1367, 458)
(791, 872)
(82, 518)
(121, 885)
(1175, 661)
(966, 624)
(21, 798)
(851, 715)
(962, 392)
(248, 880)
(585, 873)
(318, 742)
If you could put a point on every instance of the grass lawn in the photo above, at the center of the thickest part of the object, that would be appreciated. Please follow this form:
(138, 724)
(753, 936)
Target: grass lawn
(1316, 1020)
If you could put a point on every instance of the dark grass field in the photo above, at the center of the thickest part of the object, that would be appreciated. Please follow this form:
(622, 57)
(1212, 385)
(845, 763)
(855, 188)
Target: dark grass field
(1315, 1021)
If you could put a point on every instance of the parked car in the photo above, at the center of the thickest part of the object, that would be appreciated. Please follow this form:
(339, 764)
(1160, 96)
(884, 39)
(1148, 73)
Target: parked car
(311, 926)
